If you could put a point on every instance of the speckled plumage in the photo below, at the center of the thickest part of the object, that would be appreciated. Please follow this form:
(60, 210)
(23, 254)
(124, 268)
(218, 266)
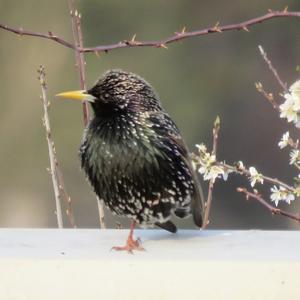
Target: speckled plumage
(134, 156)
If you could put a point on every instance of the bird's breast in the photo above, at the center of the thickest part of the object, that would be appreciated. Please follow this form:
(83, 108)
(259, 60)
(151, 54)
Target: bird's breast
(110, 150)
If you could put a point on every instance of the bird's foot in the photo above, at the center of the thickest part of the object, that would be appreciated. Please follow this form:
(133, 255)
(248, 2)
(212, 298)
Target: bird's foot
(130, 246)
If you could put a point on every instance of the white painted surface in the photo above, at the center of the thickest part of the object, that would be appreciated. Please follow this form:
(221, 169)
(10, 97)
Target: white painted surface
(78, 264)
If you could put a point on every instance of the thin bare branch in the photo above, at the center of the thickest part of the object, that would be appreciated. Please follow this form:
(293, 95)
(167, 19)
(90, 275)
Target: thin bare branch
(268, 96)
(66, 197)
(51, 149)
(272, 68)
(80, 63)
(246, 172)
(57, 177)
(216, 130)
(101, 213)
(183, 34)
(79, 56)
(271, 208)
(50, 36)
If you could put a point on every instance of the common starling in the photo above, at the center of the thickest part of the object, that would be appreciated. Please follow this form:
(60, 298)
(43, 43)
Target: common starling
(134, 156)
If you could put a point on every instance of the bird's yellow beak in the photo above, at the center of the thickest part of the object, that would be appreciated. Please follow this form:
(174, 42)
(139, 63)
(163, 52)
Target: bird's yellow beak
(82, 95)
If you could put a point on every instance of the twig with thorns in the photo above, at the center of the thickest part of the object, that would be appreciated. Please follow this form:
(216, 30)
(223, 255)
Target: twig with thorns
(178, 36)
(57, 179)
(246, 172)
(272, 68)
(79, 56)
(271, 208)
(80, 63)
(268, 96)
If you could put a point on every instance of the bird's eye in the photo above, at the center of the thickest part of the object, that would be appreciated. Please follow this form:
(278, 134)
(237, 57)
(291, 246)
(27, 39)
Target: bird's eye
(106, 95)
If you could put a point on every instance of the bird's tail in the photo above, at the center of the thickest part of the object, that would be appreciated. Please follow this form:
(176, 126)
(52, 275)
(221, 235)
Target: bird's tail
(196, 206)
(169, 226)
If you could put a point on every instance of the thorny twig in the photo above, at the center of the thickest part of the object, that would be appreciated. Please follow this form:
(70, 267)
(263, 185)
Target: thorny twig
(272, 68)
(66, 196)
(79, 56)
(268, 96)
(50, 36)
(259, 86)
(183, 34)
(216, 130)
(56, 174)
(51, 149)
(246, 172)
(80, 63)
(271, 208)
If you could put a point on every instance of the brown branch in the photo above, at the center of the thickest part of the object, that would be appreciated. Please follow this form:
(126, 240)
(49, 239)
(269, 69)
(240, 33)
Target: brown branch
(272, 68)
(50, 36)
(216, 130)
(271, 208)
(51, 149)
(268, 96)
(66, 197)
(184, 34)
(159, 43)
(266, 178)
(101, 213)
(79, 56)
(56, 174)
(80, 63)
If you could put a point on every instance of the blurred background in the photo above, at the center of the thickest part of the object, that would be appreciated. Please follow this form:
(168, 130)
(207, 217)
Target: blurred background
(196, 79)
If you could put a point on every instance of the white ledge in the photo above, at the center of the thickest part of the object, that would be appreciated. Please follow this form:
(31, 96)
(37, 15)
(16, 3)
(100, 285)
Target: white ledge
(78, 264)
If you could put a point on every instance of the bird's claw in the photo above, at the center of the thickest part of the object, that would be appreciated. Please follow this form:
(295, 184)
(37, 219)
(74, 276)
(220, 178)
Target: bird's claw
(130, 246)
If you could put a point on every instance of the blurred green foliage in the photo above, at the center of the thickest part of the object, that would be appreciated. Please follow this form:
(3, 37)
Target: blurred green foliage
(196, 80)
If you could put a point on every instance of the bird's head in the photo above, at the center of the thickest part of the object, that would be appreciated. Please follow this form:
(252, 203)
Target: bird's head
(118, 90)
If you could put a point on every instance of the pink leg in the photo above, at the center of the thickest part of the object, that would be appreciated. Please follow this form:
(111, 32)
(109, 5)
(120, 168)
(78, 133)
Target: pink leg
(131, 244)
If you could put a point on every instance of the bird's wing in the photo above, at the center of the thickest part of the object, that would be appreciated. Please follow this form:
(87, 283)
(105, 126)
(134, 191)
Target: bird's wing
(197, 202)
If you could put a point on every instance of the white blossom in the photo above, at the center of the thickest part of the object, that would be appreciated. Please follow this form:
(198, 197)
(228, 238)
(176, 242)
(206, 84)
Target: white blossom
(202, 170)
(281, 194)
(287, 109)
(207, 164)
(294, 156)
(213, 173)
(290, 109)
(276, 195)
(202, 148)
(255, 177)
(295, 88)
(206, 161)
(225, 174)
(240, 165)
(296, 105)
(284, 140)
(289, 197)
